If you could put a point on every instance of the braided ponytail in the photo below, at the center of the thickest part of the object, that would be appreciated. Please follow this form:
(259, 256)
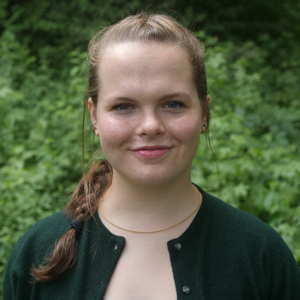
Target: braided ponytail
(83, 205)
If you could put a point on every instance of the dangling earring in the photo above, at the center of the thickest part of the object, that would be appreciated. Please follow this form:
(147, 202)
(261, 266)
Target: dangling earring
(203, 129)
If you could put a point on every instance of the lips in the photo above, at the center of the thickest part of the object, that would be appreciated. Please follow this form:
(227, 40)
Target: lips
(152, 151)
(155, 147)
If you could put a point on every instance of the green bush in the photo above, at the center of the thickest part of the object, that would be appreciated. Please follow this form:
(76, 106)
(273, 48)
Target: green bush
(41, 134)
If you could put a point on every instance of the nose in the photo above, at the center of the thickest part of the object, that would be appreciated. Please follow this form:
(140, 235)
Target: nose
(151, 124)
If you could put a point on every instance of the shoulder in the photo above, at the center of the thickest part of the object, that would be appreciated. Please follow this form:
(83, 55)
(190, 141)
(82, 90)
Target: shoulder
(254, 248)
(225, 216)
(38, 241)
(246, 232)
(46, 229)
(31, 250)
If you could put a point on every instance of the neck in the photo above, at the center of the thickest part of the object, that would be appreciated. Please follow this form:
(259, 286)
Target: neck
(148, 207)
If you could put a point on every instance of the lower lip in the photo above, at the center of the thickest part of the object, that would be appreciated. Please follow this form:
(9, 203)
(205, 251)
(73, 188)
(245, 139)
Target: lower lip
(152, 153)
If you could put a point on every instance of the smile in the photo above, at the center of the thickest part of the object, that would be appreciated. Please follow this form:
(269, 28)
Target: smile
(151, 152)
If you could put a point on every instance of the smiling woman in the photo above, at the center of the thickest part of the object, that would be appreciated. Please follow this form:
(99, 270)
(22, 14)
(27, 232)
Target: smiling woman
(136, 226)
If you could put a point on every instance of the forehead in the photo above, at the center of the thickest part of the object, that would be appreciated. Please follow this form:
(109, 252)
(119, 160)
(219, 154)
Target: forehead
(149, 49)
(144, 64)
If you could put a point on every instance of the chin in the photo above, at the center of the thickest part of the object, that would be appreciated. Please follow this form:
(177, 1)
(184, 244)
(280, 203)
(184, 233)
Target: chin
(155, 177)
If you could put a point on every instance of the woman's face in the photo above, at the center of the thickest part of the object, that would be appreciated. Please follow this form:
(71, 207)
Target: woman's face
(148, 115)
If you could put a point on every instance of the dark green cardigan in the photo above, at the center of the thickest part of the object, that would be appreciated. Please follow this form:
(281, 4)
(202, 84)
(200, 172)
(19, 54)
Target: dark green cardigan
(225, 254)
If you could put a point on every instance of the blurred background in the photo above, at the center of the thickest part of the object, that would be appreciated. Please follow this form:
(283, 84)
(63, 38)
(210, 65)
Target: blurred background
(253, 67)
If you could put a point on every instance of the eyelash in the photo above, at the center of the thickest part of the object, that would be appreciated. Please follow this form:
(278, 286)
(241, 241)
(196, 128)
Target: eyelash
(179, 104)
(126, 107)
(122, 107)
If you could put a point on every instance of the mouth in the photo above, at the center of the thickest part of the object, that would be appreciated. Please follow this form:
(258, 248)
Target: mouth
(151, 151)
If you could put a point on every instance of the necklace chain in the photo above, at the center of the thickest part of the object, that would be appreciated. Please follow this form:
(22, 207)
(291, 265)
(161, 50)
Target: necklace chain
(153, 231)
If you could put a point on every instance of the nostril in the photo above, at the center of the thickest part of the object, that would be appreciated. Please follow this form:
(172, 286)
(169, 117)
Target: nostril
(151, 126)
(151, 131)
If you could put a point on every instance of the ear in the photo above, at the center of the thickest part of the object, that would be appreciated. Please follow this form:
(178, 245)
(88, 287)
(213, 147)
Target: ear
(93, 114)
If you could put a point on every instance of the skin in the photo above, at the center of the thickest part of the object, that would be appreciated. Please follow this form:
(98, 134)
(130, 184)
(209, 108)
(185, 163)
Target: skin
(148, 97)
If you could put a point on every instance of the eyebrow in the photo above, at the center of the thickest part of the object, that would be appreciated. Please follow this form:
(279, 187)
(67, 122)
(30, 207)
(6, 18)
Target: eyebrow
(166, 96)
(176, 94)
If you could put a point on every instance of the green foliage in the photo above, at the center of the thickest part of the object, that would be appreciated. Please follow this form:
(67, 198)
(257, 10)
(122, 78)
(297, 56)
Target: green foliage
(51, 27)
(41, 133)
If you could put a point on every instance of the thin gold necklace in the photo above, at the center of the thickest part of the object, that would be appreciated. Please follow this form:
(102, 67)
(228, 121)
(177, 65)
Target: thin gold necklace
(153, 231)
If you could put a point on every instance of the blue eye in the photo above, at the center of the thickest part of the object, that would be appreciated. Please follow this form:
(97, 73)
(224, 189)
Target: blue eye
(175, 105)
(123, 107)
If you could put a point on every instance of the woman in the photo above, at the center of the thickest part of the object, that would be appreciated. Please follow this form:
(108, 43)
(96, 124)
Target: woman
(136, 227)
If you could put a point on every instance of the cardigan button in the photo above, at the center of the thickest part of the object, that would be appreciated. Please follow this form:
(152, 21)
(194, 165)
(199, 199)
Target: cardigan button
(186, 289)
(116, 247)
(178, 246)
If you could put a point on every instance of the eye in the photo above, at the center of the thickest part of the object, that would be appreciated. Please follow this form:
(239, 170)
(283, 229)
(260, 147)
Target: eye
(123, 107)
(174, 105)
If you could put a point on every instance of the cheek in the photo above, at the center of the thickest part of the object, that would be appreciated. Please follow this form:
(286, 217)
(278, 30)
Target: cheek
(112, 132)
(187, 130)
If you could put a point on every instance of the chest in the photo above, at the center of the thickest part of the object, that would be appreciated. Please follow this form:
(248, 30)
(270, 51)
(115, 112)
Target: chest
(151, 271)
(143, 271)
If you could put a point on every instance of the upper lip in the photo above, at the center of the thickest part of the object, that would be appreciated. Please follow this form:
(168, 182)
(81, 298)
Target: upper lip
(155, 147)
